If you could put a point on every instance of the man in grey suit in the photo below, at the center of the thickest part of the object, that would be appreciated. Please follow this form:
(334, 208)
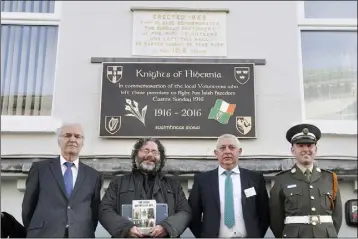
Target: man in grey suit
(62, 195)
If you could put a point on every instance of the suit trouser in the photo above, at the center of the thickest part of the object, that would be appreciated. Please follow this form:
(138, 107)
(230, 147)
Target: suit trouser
(66, 233)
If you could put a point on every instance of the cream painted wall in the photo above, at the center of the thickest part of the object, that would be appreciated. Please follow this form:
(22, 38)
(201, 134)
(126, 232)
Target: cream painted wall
(266, 30)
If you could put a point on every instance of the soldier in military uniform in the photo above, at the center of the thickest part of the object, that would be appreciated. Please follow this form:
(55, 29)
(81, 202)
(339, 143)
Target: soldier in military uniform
(305, 200)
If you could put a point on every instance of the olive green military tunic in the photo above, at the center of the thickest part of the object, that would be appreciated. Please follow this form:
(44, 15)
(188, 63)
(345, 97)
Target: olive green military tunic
(295, 195)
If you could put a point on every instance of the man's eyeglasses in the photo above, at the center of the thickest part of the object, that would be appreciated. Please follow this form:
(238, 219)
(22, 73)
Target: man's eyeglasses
(69, 136)
(147, 151)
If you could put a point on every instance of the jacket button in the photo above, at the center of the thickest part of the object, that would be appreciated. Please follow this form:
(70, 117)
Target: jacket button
(313, 209)
(69, 207)
(312, 197)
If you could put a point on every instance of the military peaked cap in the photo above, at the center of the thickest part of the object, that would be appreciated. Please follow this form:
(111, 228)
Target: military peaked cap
(303, 134)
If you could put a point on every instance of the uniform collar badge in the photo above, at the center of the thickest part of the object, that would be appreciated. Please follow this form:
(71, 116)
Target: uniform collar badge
(293, 170)
(318, 170)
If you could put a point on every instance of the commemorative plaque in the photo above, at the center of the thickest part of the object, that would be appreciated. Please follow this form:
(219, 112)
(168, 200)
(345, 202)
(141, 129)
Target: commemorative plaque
(177, 100)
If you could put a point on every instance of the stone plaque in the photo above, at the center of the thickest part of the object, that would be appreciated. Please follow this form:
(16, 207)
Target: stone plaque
(171, 100)
(179, 33)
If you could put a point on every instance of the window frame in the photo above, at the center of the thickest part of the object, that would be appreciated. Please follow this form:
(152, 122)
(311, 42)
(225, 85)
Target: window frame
(336, 127)
(25, 123)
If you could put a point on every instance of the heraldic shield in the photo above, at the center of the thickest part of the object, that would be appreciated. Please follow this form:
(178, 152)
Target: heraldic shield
(243, 124)
(114, 73)
(112, 124)
(242, 74)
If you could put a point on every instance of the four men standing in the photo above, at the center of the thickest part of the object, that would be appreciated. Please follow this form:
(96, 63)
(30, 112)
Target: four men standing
(62, 197)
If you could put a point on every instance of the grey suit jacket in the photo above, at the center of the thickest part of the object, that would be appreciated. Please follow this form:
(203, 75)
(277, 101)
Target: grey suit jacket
(46, 211)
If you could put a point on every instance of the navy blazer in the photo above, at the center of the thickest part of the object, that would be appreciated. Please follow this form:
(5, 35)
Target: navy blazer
(204, 200)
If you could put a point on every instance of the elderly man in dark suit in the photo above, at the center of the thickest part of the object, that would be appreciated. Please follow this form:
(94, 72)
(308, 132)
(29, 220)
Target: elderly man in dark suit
(229, 201)
(62, 195)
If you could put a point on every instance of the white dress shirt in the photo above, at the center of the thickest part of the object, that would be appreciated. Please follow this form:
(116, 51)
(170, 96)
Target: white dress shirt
(74, 168)
(239, 229)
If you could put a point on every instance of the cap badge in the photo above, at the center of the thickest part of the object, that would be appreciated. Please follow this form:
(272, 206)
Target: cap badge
(305, 131)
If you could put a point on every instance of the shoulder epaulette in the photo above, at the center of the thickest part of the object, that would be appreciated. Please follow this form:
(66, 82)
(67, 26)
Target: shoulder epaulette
(282, 172)
(326, 170)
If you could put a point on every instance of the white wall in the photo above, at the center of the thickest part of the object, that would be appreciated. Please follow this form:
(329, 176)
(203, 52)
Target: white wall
(265, 30)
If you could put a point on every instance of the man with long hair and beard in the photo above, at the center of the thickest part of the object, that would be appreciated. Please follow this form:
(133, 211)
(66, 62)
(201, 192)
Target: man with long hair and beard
(146, 181)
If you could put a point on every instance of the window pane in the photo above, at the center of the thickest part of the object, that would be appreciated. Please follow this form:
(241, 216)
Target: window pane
(330, 9)
(47, 6)
(330, 74)
(28, 55)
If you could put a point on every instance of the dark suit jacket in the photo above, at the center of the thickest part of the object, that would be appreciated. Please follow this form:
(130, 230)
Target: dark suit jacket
(205, 199)
(45, 208)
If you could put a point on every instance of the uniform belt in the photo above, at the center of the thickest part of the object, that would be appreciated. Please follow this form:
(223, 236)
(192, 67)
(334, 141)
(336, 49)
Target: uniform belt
(313, 219)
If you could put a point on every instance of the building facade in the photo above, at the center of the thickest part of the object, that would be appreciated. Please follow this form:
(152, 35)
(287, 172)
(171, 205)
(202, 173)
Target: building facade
(305, 56)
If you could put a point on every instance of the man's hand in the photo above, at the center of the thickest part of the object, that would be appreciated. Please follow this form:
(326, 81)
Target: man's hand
(134, 232)
(159, 231)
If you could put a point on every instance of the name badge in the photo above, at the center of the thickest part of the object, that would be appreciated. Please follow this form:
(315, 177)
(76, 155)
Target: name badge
(250, 192)
(291, 186)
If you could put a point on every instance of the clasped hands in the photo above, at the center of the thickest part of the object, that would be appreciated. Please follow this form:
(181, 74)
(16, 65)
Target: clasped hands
(157, 231)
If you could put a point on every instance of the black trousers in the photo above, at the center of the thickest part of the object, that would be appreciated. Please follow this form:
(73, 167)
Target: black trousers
(66, 233)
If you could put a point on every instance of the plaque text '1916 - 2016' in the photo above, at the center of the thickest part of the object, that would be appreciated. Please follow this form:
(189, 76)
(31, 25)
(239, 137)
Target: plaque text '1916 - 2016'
(188, 100)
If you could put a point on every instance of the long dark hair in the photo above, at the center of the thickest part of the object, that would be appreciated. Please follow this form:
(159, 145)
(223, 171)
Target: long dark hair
(139, 144)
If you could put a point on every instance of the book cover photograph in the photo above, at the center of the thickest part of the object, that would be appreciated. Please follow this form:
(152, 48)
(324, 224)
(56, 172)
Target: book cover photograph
(143, 215)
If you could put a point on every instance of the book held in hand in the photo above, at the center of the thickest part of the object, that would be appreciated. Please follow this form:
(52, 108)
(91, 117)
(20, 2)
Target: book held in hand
(144, 215)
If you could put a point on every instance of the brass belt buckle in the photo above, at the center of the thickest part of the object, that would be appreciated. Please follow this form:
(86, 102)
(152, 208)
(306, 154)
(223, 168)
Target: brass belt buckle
(314, 219)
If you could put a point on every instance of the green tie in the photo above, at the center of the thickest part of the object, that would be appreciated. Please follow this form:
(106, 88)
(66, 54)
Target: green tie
(229, 215)
(308, 175)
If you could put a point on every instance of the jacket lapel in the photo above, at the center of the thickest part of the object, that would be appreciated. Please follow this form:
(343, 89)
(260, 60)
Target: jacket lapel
(80, 178)
(157, 185)
(55, 167)
(297, 173)
(244, 178)
(213, 185)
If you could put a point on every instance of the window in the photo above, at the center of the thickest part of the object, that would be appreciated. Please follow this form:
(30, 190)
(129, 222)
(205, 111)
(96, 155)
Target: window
(29, 42)
(328, 45)
(330, 9)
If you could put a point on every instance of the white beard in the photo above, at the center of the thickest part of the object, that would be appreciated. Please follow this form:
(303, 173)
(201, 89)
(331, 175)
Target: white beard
(145, 166)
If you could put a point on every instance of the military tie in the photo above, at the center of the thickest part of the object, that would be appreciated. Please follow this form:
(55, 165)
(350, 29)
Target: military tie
(308, 175)
(229, 214)
(68, 178)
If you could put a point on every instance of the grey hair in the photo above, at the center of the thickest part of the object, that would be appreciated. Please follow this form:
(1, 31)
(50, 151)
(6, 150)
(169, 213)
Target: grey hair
(227, 136)
(65, 125)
